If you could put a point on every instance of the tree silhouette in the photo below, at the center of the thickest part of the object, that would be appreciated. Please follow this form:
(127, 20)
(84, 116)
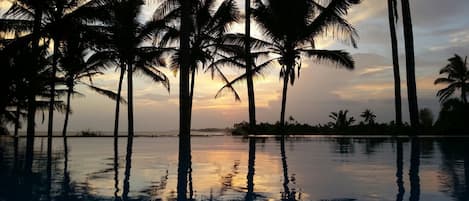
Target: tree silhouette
(293, 34)
(410, 64)
(369, 116)
(341, 120)
(393, 17)
(76, 69)
(426, 117)
(457, 78)
(249, 67)
(184, 159)
(35, 8)
(124, 42)
(210, 23)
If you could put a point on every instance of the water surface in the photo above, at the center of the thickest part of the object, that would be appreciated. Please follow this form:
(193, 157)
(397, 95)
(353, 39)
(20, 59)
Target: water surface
(236, 168)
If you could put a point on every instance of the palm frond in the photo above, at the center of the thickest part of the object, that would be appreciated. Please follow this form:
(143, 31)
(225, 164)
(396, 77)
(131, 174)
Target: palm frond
(110, 94)
(338, 57)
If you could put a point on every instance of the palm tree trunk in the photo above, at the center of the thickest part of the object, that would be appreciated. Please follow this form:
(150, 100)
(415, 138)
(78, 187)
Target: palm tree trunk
(250, 83)
(414, 170)
(463, 94)
(251, 169)
(30, 132)
(284, 99)
(130, 136)
(184, 101)
(67, 114)
(118, 99)
(32, 96)
(117, 113)
(50, 125)
(410, 64)
(191, 95)
(395, 62)
(130, 107)
(399, 172)
(17, 119)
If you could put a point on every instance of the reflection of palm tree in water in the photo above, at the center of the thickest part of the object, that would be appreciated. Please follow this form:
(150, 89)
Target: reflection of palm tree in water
(414, 170)
(128, 164)
(466, 172)
(251, 169)
(184, 165)
(452, 180)
(66, 188)
(116, 170)
(116, 166)
(399, 172)
(287, 194)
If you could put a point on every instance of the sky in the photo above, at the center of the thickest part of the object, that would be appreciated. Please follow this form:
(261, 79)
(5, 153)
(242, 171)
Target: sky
(441, 29)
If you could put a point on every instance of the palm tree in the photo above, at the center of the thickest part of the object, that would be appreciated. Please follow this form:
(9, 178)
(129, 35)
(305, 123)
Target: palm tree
(75, 68)
(250, 83)
(126, 36)
(369, 116)
(393, 16)
(184, 98)
(210, 24)
(35, 8)
(292, 34)
(54, 15)
(410, 64)
(457, 78)
(341, 120)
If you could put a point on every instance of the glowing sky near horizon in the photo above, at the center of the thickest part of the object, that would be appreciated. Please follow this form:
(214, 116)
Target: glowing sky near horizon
(441, 29)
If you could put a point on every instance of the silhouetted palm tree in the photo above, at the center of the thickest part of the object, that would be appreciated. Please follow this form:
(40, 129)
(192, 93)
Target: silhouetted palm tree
(393, 16)
(126, 37)
(341, 120)
(55, 16)
(293, 34)
(35, 8)
(369, 116)
(457, 78)
(75, 68)
(250, 83)
(410, 64)
(184, 98)
(211, 22)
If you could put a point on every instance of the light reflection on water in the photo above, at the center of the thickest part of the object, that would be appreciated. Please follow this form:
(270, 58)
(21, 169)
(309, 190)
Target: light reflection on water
(312, 168)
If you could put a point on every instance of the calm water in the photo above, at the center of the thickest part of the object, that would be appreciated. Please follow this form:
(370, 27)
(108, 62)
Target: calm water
(236, 168)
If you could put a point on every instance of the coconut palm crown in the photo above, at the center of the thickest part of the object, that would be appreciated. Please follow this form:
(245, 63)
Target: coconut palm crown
(294, 34)
(457, 78)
